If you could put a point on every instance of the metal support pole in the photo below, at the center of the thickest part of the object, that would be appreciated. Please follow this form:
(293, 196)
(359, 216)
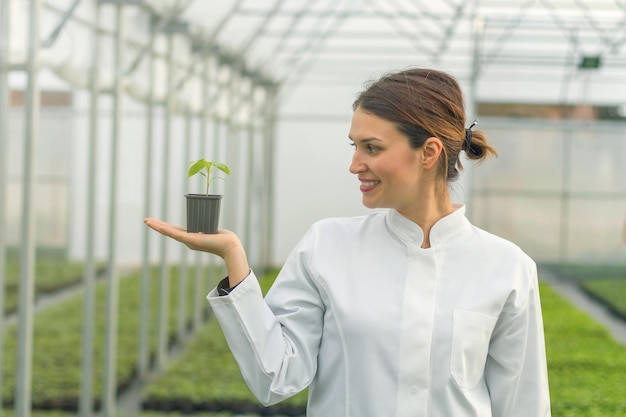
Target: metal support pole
(258, 187)
(4, 150)
(248, 202)
(27, 254)
(146, 270)
(198, 299)
(268, 197)
(264, 241)
(216, 268)
(184, 261)
(55, 33)
(110, 353)
(163, 21)
(232, 151)
(565, 197)
(271, 170)
(86, 391)
(256, 35)
(164, 272)
(224, 21)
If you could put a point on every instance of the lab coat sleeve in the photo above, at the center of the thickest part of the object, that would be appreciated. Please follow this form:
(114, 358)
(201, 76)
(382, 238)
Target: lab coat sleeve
(275, 341)
(516, 371)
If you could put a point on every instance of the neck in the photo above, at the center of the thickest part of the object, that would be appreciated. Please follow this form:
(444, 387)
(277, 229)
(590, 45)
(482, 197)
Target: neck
(429, 209)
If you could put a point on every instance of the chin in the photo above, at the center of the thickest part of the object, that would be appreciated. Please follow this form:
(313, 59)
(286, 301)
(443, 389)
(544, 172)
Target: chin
(370, 204)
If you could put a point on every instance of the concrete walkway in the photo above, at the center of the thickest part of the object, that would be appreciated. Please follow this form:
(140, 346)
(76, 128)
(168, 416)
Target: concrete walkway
(570, 290)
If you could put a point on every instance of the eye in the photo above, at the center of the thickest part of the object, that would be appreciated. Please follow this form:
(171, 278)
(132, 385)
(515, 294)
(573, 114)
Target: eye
(367, 147)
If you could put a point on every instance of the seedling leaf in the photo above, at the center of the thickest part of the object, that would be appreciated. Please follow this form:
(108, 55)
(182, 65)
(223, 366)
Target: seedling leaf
(204, 167)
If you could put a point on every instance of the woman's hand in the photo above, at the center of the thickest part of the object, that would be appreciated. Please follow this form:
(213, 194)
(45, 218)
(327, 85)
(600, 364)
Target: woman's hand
(219, 243)
(224, 244)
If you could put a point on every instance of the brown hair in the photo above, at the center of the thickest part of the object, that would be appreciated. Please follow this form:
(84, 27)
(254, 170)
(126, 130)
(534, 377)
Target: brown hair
(425, 103)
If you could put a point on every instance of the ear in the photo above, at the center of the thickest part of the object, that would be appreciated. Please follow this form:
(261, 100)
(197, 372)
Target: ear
(431, 150)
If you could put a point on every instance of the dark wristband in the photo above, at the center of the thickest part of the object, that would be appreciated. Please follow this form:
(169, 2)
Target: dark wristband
(223, 288)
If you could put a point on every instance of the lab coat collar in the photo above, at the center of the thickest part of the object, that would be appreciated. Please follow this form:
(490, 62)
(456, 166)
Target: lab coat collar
(442, 232)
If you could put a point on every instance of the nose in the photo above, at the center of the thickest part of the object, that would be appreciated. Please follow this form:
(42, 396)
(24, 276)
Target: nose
(356, 166)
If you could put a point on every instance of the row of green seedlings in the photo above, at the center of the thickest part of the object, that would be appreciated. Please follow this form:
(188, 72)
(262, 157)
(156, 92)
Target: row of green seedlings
(206, 378)
(605, 282)
(586, 365)
(611, 292)
(52, 274)
(56, 372)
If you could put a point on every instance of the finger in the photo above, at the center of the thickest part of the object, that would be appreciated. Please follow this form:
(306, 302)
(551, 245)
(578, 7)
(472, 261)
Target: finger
(154, 224)
(160, 224)
(167, 229)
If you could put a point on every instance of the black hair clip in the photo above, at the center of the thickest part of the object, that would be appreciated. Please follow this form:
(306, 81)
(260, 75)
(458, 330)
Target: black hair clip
(468, 140)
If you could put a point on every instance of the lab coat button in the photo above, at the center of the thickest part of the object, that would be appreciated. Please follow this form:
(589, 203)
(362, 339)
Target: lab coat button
(414, 390)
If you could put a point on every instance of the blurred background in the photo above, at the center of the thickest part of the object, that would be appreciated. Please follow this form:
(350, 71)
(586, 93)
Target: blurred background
(103, 104)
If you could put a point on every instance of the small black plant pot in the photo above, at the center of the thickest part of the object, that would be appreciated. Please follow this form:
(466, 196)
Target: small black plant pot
(203, 213)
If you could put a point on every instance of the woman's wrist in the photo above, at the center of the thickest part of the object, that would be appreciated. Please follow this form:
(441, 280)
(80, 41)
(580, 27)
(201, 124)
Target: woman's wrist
(236, 265)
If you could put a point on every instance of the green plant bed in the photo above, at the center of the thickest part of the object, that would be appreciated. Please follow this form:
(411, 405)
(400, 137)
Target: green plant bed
(578, 272)
(57, 342)
(51, 274)
(586, 366)
(39, 413)
(207, 378)
(53, 413)
(611, 292)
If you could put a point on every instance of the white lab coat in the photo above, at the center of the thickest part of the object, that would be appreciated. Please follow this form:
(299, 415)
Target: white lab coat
(376, 326)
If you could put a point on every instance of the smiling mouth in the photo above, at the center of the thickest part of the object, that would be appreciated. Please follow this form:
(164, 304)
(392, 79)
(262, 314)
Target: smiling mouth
(368, 185)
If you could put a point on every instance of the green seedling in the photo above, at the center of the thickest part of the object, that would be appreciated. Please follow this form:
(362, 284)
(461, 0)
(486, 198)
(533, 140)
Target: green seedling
(207, 169)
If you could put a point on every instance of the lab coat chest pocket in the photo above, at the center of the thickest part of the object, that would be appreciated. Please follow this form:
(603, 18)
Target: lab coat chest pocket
(471, 333)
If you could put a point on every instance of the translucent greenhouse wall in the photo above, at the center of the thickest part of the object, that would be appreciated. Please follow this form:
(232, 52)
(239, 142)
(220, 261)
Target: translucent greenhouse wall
(558, 189)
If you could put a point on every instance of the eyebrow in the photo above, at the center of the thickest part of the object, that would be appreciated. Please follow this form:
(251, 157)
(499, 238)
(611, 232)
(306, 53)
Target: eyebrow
(365, 140)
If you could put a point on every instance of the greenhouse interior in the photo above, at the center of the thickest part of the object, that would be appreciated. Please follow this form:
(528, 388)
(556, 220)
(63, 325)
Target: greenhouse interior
(104, 104)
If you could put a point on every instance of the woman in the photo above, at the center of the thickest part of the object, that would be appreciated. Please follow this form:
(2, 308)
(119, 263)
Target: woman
(411, 312)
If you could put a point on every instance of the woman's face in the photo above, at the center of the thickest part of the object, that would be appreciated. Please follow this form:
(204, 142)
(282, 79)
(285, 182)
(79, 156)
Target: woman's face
(390, 171)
